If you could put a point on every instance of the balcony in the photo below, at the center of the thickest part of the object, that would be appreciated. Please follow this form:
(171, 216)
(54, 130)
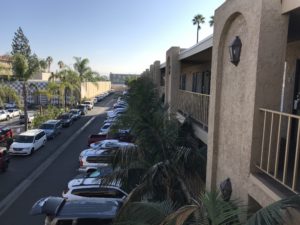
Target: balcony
(279, 152)
(195, 105)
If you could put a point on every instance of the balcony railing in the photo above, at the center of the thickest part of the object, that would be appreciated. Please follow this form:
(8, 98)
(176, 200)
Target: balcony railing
(279, 155)
(195, 105)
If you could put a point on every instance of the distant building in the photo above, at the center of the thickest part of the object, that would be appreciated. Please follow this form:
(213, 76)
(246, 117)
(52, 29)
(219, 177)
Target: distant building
(121, 78)
(5, 66)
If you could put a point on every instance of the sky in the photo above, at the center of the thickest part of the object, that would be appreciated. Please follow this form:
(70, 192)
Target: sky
(118, 36)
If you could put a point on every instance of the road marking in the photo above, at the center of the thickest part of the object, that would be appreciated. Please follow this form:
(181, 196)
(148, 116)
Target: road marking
(18, 191)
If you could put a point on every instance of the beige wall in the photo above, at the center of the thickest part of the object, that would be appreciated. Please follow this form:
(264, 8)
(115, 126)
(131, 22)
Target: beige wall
(237, 92)
(41, 76)
(90, 90)
(289, 5)
(7, 68)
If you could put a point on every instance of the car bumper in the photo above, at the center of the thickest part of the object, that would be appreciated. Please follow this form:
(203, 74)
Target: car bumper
(23, 152)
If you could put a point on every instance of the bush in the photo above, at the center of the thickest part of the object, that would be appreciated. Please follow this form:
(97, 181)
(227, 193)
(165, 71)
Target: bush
(51, 112)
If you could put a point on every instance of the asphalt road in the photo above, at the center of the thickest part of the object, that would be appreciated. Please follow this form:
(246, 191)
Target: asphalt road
(53, 180)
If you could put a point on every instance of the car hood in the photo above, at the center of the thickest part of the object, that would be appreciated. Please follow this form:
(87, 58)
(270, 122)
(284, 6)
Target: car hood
(21, 145)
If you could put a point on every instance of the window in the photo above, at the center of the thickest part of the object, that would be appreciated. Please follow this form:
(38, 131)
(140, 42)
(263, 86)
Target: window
(206, 82)
(99, 192)
(201, 82)
(182, 81)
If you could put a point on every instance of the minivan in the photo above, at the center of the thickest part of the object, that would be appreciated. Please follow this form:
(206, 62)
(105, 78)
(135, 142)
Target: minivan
(51, 128)
(60, 211)
(28, 142)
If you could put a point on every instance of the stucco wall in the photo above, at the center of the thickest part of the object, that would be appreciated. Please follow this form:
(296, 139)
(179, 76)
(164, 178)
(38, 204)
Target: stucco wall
(90, 90)
(237, 92)
(288, 5)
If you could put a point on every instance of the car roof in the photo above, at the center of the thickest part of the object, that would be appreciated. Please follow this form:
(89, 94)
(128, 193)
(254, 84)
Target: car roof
(52, 121)
(32, 132)
(105, 209)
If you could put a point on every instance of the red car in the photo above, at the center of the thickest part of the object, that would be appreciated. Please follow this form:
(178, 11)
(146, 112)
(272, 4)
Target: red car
(5, 133)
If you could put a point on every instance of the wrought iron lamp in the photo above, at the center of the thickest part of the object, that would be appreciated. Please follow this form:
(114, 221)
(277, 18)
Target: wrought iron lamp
(235, 49)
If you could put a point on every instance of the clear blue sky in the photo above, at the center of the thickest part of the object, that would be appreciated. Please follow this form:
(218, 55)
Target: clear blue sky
(119, 36)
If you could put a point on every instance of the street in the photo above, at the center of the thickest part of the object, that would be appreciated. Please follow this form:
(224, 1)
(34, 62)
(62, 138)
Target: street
(23, 175)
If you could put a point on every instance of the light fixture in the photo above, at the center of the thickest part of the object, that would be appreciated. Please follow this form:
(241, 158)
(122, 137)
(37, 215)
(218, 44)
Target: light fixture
(235, 49)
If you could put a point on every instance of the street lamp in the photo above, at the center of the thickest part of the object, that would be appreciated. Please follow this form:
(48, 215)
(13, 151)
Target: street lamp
(235, 49)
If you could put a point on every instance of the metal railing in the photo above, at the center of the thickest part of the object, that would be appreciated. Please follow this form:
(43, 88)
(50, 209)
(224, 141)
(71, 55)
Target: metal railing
(194, 104)
(279, 155)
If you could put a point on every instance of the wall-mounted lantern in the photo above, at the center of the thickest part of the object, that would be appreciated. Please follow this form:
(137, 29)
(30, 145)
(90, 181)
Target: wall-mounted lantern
(235, 49)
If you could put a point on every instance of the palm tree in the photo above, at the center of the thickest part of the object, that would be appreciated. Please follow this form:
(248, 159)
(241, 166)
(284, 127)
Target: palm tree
(197, 20)
(24, 68)
(49, 61)
(209, 209)
(162, 167)
(43, 65)
(61, 64)
(211, 21)
(84, 71)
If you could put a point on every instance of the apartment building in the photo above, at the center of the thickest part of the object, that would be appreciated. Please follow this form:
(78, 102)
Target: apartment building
(241, 87)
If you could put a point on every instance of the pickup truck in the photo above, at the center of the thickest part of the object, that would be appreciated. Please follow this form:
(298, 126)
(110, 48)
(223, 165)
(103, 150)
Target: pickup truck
(96, 137)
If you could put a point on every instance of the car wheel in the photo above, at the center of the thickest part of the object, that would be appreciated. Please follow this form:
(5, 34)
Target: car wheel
(44, 142)
(7, 118)
(31, 151)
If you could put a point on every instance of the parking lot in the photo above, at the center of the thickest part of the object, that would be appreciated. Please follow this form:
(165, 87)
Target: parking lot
(31, 177)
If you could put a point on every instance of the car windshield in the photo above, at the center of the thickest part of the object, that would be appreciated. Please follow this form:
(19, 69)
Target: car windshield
(88, 103)
(64, 117)
(24, 139)
(106, 126)
(47, 126)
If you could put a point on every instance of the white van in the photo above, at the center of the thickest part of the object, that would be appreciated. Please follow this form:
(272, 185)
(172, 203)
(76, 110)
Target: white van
(28, 142)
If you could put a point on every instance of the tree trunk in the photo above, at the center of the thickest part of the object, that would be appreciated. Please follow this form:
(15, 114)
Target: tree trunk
(25, 105)
(65, 99)
(197, 33)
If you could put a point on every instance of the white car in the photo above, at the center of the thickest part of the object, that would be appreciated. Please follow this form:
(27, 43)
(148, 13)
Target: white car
(91, 159)
(92, 189)
(89, 104)
(109, 143)
(14, 112)
(105, 128)
(28, 142)
(30, 117)
(4, 115)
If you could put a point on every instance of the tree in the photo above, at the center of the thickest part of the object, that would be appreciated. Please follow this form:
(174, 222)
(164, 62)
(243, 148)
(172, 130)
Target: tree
(211, 21)
(20, 44)
(84, 71)
(43, 65)
(61, 64)
(24, 68)
(6, 93)
(49, 61)
(197, 20)
(210, 209)
(162, 168)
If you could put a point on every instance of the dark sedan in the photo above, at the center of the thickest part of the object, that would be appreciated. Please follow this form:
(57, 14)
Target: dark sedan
(66, 119)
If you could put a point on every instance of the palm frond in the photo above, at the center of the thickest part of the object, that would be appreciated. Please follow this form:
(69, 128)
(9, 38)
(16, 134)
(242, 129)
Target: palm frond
(276, 213)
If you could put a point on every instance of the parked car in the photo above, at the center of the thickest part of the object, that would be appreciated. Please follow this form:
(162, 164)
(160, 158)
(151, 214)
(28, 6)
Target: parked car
(14, 112)
(105, 128)
(89, 160)
(60, 211)
(5, 133)
(28, 142)
(95, 100)
(52, 128)
(106, 144)
(100, 172)
(4, 115)
(95, 191)
(95, 138)
(89, 104)
(66, 119)
(76, 114)
(83, 109)
(4, 159)
(30, 117)
(113, 113)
